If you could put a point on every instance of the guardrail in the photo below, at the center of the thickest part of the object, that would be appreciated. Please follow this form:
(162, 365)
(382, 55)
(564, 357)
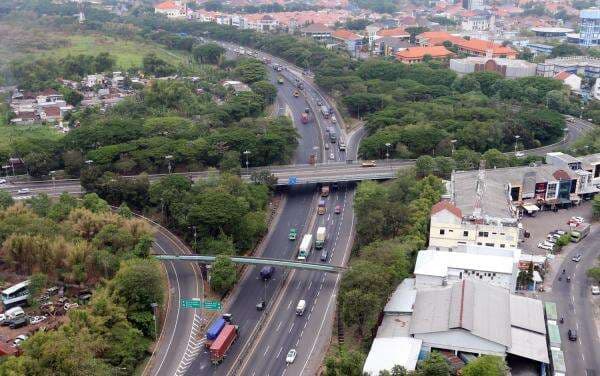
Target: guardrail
(256, 261)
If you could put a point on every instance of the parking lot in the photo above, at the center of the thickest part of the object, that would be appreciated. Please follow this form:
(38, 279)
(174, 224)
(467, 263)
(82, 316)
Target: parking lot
(544, 222)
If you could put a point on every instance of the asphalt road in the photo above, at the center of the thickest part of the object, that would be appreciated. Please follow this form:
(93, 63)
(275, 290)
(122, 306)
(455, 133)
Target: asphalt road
(574, 303)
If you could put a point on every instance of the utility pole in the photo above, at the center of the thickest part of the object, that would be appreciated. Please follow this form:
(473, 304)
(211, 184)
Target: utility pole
(246, 154)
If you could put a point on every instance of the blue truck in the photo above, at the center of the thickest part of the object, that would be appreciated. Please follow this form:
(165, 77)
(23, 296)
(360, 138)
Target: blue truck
(213, 331)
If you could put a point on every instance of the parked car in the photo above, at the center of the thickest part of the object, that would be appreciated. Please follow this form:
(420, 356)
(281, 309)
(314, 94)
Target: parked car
(576, 258)
(545, 246)
(369, 164)
(595, 290)
(19, 339)
(19, 322)
(2, 181)
(291, 356)
(23, 191)
(69, 306)
(37, 319)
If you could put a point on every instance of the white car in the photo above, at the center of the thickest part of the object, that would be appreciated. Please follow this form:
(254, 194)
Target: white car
(19, 339)
(291, 356)
(519, 154)
(595, 290)
(576, 258)
(578, 219)
(37, 319)
(23, 191)
(331, 156)
(545, 246)
(2, 181)
(69, 306)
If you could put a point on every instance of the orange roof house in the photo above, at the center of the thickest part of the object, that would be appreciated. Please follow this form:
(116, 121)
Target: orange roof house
(167, 5)
(472, 47)
(436, 38)
(416, 54)
(397, 32)
(344, 34)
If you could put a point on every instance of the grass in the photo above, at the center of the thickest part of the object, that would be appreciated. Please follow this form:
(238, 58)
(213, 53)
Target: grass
(26, 42)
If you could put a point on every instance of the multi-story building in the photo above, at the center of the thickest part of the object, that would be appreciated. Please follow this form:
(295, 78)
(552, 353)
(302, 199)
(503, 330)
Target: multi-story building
(473, 4)
(509, 68)
(589, 27)
(413, 55)
(471, 47)
(585, 65)
(352, 41)
(171, 9)
(480, 21)
(449, 229)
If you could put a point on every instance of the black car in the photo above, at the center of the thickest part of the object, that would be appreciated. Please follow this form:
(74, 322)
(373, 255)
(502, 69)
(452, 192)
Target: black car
(19, 322)
(267, 272)
(324, 255)
(572, 334)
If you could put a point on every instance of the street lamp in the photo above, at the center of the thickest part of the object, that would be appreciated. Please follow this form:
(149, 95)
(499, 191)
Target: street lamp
(154, 306)
(581, 112)
(168, 158)
(246, 154)
(452, 142)
(53, 173)
(387, 152)
(516, 141)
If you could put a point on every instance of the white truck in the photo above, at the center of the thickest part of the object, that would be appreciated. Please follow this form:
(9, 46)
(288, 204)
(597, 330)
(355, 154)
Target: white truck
(305, 247)
(321, 234)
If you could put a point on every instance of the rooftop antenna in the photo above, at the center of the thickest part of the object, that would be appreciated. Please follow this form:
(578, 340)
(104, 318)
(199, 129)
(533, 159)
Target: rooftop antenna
(479, 189)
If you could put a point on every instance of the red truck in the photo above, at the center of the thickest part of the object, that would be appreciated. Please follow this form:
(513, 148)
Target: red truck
(304, 118)
(219, 347)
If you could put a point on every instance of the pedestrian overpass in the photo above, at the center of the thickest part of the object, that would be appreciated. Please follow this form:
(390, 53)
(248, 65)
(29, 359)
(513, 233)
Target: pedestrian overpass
(256, 261)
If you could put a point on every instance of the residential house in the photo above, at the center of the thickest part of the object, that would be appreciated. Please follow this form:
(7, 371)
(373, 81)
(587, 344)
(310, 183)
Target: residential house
(171, 9)
(317, 31)
(236, 86)
(479, 21)
(413, 55)
(352, 41)
(389, 46)
(573, 81)
(584, 65)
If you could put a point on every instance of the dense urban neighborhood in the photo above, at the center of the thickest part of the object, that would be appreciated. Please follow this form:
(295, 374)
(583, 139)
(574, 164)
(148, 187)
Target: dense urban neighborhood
(300, 187)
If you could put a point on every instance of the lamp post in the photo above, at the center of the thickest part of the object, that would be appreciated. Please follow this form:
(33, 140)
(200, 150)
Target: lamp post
(168, 158)
(452, 142)
(52, 174)
(516, 141)
(154, 306)
(581, 112)
(246, 154)
(387, 152)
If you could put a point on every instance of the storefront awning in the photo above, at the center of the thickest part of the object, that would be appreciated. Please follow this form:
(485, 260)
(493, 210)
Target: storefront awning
(531, 208)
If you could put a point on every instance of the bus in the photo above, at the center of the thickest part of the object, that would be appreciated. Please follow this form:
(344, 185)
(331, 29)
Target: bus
(305, 247)
(16, 295)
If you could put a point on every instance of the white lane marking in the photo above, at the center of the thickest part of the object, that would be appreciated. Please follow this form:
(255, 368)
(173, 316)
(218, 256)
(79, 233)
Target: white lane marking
(289, 305)
(309, 285)
(266, 350)
(278, 326)
(279, 353)
(291, 327)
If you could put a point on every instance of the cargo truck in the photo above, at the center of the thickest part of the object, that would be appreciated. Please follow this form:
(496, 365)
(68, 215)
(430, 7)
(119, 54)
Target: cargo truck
(219, 348)
(305, 247)
(320, 241)
(325, 111)
(304, 118)
(580, 232)
(213, 331)
(325, 191)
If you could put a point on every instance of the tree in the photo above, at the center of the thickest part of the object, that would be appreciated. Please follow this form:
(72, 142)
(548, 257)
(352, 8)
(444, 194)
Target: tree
(264, 177)
(266, 90)
(348, 363)
(156, 66)
(434, 365)
(124, 211)
(250, 71)
(594, 273)
(209, 53)
(223, 274)
(40, 204)
(486, 365)
(6, 199)
(566, 49)
(595, 206)
(425, 165)
(37, 284)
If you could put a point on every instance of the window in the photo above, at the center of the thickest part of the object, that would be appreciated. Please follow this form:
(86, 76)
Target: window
(478, 243)
(451, 230)
(485, 234)
(489, 244)
(501, 245)
(460, 275)
(442, 231)
(465, 233)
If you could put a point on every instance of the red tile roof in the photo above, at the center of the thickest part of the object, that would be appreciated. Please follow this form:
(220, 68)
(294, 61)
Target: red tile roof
(167, 5)
(482, 46)
(345, 35)
(446, 205)
(52, 111)
(562, 75)
(561, 175)
(420, 52)
(395, 32)
(436, 38)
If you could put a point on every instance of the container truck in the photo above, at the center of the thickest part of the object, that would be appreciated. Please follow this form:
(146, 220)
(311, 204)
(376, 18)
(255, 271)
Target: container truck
(213, 331)
(320, 241)
(305, 247)
(580, 232)
(304, 118)
(219, 348)
(325, 191)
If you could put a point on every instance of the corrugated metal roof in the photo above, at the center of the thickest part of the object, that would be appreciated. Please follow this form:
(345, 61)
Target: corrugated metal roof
(387, 352)
(529, 345)
(403, 298)
(558, 360)
(550, 308)
(526, 313)
(554, 334)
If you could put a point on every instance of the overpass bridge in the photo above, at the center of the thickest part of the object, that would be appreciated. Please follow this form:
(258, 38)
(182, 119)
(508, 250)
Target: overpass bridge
(256, 261)
(332, 172)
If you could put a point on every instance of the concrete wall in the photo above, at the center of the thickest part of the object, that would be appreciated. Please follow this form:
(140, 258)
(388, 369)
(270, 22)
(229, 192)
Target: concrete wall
(461, 340)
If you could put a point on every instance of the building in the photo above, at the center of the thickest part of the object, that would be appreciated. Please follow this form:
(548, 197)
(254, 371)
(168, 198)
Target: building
(388, 352)
(413, 55)
(171, 9)
(473, 4)
(480, 21)
(583, 65)
(471, 47)
(236, 86)
(449, 228)
(551, 32)
(539, 48)
(589, 27)
(497, 266)
(573, 81)
(389, 46)
(473, 317)
(317, 31)
(509, 68)
(352, 41)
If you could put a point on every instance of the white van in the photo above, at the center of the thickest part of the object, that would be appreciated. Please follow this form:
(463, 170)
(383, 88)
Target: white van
(300, 307)
(14, 312)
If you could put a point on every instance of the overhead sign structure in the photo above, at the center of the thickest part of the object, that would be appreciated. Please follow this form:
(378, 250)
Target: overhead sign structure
(199, 304)
(212, 304)
(191, 303)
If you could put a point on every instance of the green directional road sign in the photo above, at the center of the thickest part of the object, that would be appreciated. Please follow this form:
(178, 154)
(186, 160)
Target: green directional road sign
(212, 304)
(191, 303)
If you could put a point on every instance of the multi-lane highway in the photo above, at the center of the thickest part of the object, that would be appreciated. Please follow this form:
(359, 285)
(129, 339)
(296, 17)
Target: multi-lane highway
(574, 304)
